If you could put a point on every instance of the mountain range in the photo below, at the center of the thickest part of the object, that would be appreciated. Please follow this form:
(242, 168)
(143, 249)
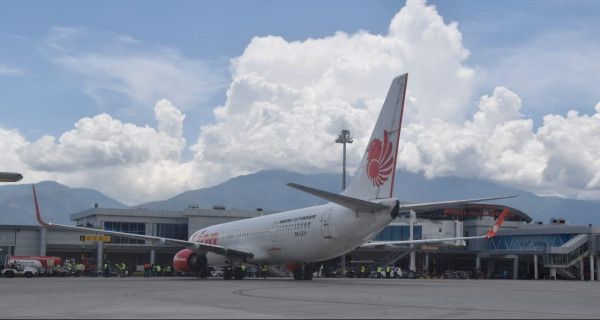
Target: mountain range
(56, 201)
(267, 190)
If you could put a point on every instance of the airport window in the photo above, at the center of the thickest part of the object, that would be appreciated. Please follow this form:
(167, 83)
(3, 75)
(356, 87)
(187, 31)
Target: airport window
(398, 233)
(129, 227)
(172, 230)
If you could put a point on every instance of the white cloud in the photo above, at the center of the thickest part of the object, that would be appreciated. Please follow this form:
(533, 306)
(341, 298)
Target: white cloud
(554, 67)
(287, 102)
(122, 65)
(131, 163)
(559, 158)
(10, 71)
(102, 141)
(10, 142)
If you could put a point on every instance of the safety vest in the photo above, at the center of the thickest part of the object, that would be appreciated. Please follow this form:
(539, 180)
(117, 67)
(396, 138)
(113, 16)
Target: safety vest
(362, 269)
(388, 269)
(378, 269)
(264, 268)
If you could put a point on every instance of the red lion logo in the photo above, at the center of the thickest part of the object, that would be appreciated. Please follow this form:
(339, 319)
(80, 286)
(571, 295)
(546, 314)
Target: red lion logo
(380, 160)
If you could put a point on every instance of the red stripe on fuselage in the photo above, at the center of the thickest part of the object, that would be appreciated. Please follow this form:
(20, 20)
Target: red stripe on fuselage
(398, 139)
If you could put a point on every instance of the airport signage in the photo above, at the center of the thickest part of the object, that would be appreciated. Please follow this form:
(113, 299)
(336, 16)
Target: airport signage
(90, 237)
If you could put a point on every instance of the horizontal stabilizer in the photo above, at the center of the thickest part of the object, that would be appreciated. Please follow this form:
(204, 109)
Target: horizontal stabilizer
(353, 204)
(444, 204)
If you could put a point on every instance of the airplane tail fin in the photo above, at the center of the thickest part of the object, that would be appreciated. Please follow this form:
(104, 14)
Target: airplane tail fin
(374, 178)
(492, 232)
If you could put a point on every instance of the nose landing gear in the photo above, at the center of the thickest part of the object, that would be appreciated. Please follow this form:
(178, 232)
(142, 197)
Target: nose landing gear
(304, 271)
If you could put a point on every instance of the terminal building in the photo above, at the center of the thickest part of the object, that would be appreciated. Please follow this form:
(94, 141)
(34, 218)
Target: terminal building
(523, 249)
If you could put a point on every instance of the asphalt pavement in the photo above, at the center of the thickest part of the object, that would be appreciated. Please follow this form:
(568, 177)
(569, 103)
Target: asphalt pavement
(284, 298)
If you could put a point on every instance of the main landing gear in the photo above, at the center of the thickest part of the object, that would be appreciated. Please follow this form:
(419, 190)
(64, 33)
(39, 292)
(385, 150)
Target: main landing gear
(234, 272)
(304, 271)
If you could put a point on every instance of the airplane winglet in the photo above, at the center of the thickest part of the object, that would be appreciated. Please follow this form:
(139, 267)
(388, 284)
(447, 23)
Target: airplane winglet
(492, 232)
(38, 216)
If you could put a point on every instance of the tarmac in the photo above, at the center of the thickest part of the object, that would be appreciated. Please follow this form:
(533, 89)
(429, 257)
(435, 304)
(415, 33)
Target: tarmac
(177, 297)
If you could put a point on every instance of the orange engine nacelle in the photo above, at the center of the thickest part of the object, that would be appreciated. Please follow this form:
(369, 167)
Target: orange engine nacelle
(189, 261)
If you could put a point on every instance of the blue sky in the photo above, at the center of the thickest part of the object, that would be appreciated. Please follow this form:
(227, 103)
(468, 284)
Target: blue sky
(217, 31)
(209, 30)
(62, 62)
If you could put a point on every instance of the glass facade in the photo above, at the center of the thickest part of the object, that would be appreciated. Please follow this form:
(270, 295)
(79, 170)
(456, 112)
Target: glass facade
(528, 242)
(129, 227)
(172, 230)
(395, 233)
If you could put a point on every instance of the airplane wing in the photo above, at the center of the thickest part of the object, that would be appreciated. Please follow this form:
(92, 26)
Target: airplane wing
(196, 246)
(353, 204)
(491, 233)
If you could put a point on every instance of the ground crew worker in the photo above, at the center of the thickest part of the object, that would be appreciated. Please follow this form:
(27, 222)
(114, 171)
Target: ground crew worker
(79, 269)
(379, 271)
(362, 271)
(123, 269)
(168, 271)
(146, 269)
(106, 270)
(388, 271)
(264, 269)
(158, 270)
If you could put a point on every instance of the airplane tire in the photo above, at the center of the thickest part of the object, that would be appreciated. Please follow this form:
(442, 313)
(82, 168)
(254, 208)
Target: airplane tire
(298, 274)
(304, 272)
(227, 273)
(239, 273)
(308, 275)
(308, 271)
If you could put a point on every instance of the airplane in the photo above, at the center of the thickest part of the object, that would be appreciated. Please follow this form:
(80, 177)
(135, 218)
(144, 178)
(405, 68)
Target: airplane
(303, 238)
(10, 177)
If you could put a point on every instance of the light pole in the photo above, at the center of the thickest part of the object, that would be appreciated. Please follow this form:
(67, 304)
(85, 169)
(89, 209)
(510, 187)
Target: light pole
(14, 248)
(344, 138)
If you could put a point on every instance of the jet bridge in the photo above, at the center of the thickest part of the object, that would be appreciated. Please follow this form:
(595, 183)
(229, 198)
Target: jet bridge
(562, 260)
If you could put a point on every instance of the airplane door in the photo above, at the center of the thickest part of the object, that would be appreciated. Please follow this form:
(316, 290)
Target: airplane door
(273, 233)
(326, 227)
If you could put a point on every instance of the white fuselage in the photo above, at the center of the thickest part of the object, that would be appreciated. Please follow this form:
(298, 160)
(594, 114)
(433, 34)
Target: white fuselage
(305, 235)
